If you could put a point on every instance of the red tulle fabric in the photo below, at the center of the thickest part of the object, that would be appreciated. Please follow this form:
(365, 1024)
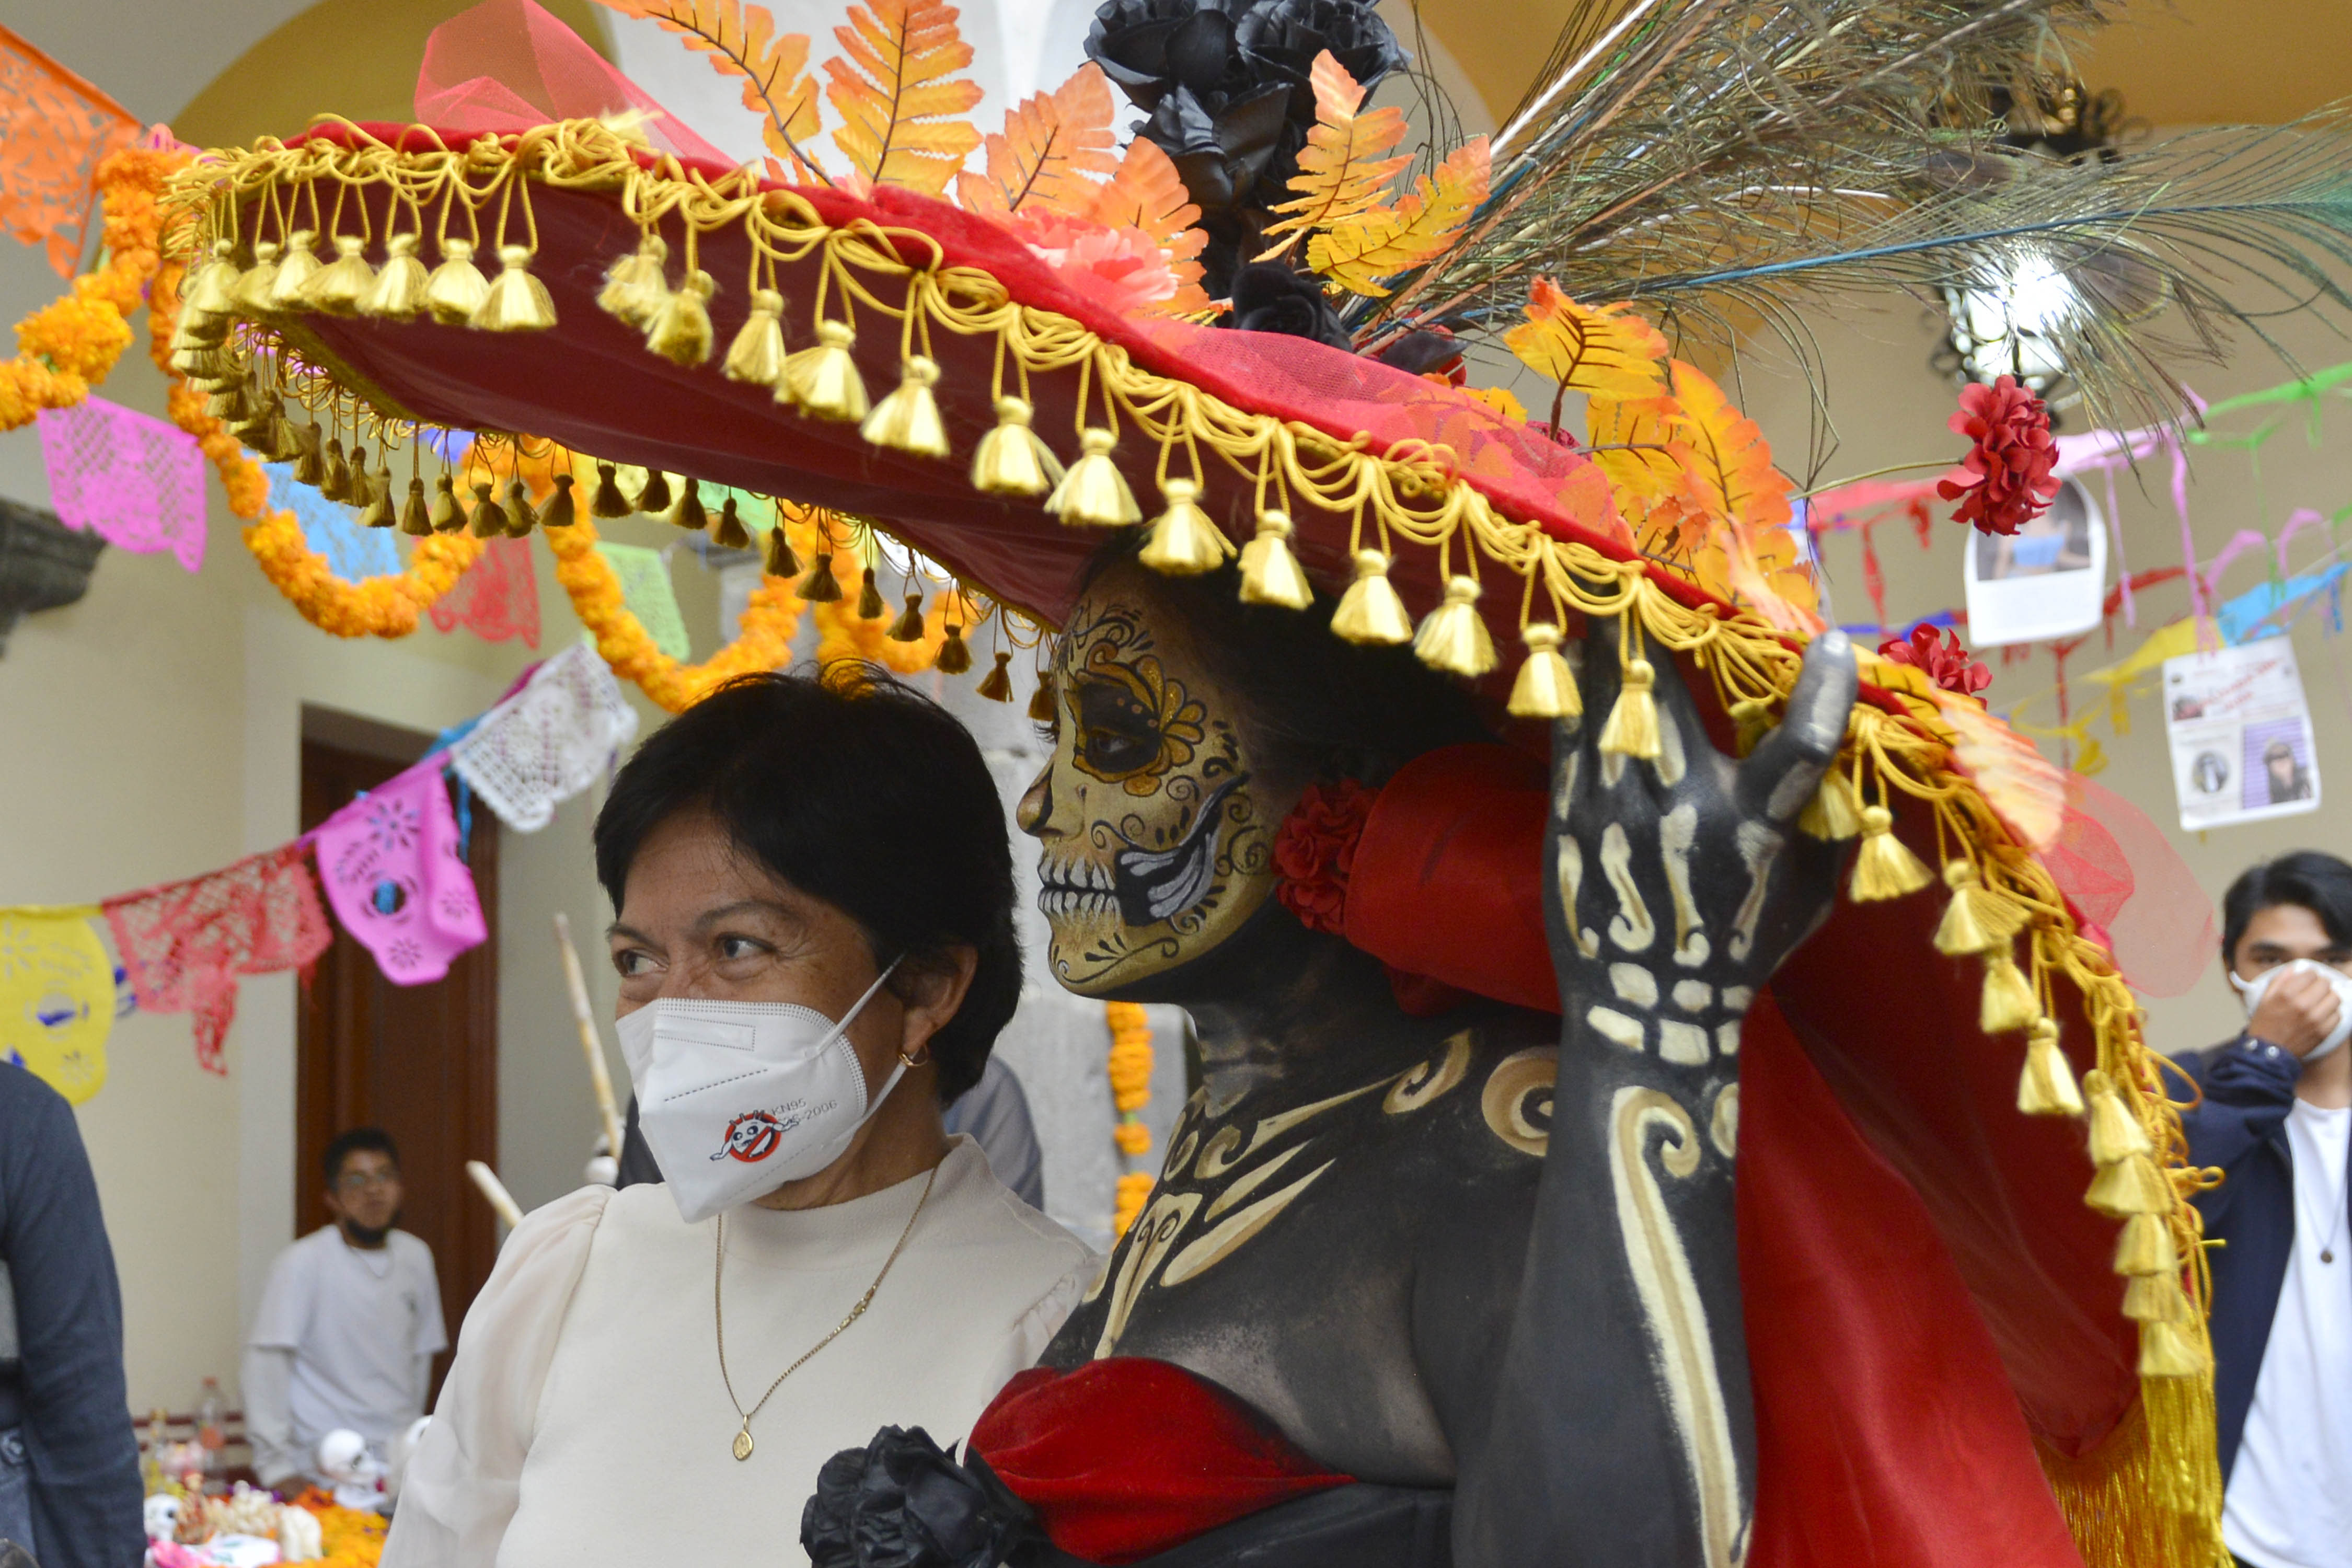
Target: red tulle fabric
(185, 943)
(498, 597)
(507, 64)
(2010, 481)
(1316, 850)
(2121, 873)
(1126, 1456)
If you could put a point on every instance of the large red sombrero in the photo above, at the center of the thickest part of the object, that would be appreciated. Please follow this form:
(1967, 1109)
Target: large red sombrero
(933, 374)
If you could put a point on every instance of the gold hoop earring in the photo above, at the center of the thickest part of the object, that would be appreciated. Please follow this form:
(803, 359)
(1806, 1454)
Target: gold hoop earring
(916, 1061)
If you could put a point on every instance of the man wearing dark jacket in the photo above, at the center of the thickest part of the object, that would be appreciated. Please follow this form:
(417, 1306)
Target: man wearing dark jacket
(69, 1488)
(2276, 1118)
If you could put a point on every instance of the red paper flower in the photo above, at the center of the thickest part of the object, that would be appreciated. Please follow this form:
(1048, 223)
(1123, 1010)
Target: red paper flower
(1316, 850)
(1946, 663)
(2010, 460)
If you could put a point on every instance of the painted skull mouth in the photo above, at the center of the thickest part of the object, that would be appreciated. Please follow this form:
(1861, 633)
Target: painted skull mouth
(1145, 886)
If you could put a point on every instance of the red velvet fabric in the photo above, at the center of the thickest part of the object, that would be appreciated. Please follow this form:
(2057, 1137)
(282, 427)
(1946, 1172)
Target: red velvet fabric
(1126, 1457)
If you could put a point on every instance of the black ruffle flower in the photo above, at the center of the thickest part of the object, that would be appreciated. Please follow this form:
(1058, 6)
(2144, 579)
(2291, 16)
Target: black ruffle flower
(1270, 298)
(900, 1502)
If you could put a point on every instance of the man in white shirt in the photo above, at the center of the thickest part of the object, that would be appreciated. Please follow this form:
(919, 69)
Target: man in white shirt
(350, 1323)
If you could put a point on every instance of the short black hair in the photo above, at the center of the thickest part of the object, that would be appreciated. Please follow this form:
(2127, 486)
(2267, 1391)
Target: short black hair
(856, 789)
(2317, 882)
(352, 1141)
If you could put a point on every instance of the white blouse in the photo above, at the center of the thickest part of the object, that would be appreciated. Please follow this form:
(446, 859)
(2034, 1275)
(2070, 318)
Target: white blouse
(583, 1419)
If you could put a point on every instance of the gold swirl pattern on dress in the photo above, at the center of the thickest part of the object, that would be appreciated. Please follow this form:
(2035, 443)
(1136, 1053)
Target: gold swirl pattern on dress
(1516, 1092)
(1431, 1080)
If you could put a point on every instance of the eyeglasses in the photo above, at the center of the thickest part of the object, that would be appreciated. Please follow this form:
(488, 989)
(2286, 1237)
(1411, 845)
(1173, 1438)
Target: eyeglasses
(360, 1181)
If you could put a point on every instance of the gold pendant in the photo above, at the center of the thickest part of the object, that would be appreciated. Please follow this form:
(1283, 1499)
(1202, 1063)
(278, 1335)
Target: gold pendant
(743, 1442)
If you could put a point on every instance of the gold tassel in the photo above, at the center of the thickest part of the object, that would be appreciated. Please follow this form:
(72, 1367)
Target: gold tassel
(448, 516)
(1632, 727)
(608, 500)
(2129, 1187)
(228, 405)
(2146, 1247)
(1453, 637)
(2008, 1002)
(337, 288)
(2047, 1087)
(1886, 868)
(1270, 570)
(310, 467)
(869, 597)
(653, 499)
(781, 562)
(729, 532)
(1042, 707)
(249, 296)
(2115, 1132)
(1369, 614)
(517, 303)
(909, 626)
(296, 267)
(2170, 1350)
(456, 288)
(398, 294)
(820, 586)
(907, 420)
(824, 381)
(1184, 542)
(689, 513)
(635, 286)
(2155, 1297)
(1546, 687)
(210, 294)
(415, 517)
(285, 444)
(1094, 493)
(1832, 814)
(1013, 460)
(997, 684)
(757, 354)
(377, 488)
(336, 482)
(680, 330)
(561, 510)
(201, 361)
(1966, 929)
(489, 520)
(520, 518)
(258, 433)
(954, 656)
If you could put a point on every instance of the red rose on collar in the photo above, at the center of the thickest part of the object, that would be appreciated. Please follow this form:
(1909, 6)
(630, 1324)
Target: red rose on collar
(1316, 849)
(2010, 460)
(1945, 663)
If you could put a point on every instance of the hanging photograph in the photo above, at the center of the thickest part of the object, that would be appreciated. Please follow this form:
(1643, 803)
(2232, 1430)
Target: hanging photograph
(2241, 735)
(2043, 581)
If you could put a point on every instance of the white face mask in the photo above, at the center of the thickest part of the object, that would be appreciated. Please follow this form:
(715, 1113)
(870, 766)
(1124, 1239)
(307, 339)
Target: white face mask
(736, 1099)
(2254, 990)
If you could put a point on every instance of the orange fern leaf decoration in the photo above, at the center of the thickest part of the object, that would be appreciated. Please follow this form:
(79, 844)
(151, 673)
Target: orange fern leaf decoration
(1744, 501)
(1049, 145)
(1603, 351)
(1631, 441)
(1342, 173)
(895, 94)
(1359, 252)
(741, 40)
(1146, 192)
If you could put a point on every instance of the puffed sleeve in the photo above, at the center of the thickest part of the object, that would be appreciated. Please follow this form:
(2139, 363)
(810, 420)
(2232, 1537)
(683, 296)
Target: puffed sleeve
(460, 1487)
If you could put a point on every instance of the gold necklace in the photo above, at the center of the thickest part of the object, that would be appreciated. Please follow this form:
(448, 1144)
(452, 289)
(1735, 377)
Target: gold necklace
(719, 1311)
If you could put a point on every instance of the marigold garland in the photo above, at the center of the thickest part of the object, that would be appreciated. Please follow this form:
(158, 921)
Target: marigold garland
(1130, 1091)
(70, 344)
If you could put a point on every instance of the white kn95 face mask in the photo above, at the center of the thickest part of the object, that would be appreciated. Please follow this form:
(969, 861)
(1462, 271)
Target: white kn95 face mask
(2254, 990)
(736, 1099)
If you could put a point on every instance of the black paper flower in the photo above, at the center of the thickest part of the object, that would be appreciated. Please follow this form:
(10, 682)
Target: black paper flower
(900, 1502)
(1270, 298)
(1282, 39)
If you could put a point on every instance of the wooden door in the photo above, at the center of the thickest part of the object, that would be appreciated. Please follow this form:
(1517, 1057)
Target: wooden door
(419, 1061)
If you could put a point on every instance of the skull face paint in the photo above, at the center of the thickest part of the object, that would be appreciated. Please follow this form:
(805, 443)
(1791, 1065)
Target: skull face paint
(1155, 848)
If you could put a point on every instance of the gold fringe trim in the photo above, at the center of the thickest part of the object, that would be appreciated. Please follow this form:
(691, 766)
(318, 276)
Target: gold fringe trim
(2148, 1494)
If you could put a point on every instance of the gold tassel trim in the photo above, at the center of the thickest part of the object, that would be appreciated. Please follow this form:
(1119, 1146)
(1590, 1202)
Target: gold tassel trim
(520, 518)
(2047, 1087)
(680, 330)
(1271, 573)
(1184, 542)
(869, 597)
(398, 292)
(781, 562)
(1546, 685)
(2115, 1132)
(909, 626)
(1042, 708)
(757, 354)
(997, 684)
(634, 286)
(457, 289)
(2146, 1247)
(654, 498)
(907, 420)
(1969, 925)
(296, 267)
(448, 516)
(516, 302)
(2129, 1187)
(561, 510)
(608, 502)
(823, 381)
(337, 288)
(729, 532)
(335, 482)
(379, 512)
(820, 586)
(1885, 867)
(249, 295)
(2008, 1002)
(1370, 614)
(1632, 727)
(489, 521)
(1013, 460)
(309, 464)
(415, 517)
(1452, 637)
(1833, 815)
(2156, 1298)
(1094, 493)
(689, 513)
(2173, 1350)
(954, 656)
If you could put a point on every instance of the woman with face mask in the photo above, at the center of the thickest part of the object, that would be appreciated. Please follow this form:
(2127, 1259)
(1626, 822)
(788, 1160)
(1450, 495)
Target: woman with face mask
(813, 934)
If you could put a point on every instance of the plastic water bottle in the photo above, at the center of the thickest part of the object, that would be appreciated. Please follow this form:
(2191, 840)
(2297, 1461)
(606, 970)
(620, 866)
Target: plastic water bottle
(211, 1434)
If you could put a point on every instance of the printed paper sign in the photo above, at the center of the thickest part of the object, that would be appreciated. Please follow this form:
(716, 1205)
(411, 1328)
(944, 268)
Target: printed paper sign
(2043, 581)
(2241, 735)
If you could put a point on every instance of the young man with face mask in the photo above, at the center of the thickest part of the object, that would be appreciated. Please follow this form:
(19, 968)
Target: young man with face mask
(2276, 1118)
(349, 1324)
